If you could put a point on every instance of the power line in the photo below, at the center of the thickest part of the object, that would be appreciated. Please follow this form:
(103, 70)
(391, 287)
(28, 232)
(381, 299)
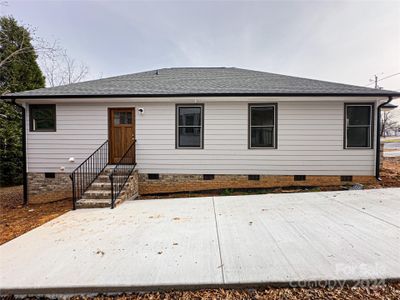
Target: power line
(389, 76)
(377, 80)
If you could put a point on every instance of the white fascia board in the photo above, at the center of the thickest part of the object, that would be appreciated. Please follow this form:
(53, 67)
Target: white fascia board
(197, 99)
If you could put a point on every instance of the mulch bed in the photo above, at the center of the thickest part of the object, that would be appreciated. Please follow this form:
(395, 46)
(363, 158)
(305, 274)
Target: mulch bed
(389, 291)
(16, 219)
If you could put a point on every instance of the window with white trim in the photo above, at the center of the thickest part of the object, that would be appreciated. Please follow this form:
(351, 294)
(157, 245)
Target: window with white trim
(358, 125)
(262, 126)
(189, 127)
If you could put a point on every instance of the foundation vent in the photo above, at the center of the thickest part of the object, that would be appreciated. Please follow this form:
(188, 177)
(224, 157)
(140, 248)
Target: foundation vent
(208, 177)
(153, 176)
(253, 177)
(50, 175)
(346, 178)
(299, 177)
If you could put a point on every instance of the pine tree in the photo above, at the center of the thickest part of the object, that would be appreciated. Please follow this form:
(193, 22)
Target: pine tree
(19, 71)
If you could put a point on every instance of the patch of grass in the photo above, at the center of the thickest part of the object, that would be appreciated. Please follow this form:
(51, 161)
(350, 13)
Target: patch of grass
(227, 192)
(258, 191)
(314, 189)
(392, 141)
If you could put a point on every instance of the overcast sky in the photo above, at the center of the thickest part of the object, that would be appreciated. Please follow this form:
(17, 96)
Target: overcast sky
(347, 41)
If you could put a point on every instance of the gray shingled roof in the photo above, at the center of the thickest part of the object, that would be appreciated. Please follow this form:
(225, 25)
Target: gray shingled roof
(202, 81)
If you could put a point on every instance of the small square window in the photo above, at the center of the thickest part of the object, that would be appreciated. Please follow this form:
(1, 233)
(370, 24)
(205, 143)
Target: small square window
(208, 177)
(346, 178)
(50, 175)
(153, 176)
(42, 117)
(253, 177)
(299, 177)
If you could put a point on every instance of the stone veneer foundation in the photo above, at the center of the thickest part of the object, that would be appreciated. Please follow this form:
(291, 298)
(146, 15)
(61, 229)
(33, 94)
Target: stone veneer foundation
(170, 183)
(131, 190)
(43, 190)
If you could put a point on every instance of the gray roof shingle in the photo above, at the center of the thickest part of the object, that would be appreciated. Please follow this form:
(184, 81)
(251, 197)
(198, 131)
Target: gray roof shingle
(201, 82)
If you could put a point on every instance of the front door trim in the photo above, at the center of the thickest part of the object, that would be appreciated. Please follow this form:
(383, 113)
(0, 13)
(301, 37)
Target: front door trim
(110, 128)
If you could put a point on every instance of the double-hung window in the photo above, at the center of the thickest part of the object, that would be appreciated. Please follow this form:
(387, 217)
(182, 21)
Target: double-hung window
(262, 126)
(42, 117)
(189, 127)
(358, 125)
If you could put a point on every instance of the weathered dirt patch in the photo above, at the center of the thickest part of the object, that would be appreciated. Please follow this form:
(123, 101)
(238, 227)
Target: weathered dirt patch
(16, 219)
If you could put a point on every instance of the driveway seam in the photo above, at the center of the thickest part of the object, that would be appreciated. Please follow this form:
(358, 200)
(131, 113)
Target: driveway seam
(364, 212)
(219, 243)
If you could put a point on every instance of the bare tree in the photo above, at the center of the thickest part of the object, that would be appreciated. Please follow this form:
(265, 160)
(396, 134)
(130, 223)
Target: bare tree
(57, 66)
(40, 46)
(60, 69)
(388, 123)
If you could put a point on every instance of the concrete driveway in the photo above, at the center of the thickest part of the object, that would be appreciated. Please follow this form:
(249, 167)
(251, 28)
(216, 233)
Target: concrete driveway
(259, 239)
(394, 150)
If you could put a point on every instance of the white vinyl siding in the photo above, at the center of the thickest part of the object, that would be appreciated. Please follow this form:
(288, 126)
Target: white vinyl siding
(310, 140)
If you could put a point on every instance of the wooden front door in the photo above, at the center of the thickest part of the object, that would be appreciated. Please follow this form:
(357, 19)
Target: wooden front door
(121, 131)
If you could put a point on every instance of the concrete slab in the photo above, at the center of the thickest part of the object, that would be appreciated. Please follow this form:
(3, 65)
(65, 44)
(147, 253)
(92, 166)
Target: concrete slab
(309, 236)
(140, 243)
(193, 242)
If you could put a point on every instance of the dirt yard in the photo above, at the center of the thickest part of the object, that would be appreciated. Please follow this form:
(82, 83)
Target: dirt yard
(16, 219)
(389, 291)
(391, 172)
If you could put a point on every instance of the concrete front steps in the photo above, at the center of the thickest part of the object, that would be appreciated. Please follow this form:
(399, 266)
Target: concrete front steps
(99, 193)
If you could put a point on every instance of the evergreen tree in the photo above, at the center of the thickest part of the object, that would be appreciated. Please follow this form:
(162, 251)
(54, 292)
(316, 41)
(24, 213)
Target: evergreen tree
(19, 71)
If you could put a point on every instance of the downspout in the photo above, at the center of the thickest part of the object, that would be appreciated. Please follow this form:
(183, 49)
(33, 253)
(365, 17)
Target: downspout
(24, 166)
(378, 140)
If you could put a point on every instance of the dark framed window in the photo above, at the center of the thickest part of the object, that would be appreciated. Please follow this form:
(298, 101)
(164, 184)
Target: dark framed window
(358, 125)
(42, 117)
(189, 126)
(262, 126)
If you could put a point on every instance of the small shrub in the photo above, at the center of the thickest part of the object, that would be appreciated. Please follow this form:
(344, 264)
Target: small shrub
(227, 192)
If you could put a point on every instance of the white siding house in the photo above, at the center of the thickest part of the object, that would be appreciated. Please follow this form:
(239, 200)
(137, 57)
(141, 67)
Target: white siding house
(309, 138)
(199, 128)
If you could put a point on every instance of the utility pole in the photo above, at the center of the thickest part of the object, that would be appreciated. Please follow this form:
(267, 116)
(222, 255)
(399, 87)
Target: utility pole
(376, 82)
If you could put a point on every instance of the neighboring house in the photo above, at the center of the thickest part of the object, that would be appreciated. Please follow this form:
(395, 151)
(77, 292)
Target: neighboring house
(198, 129)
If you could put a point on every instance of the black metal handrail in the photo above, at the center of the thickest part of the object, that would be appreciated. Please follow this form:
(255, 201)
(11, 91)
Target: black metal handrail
(121, 172)
(87, 172)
